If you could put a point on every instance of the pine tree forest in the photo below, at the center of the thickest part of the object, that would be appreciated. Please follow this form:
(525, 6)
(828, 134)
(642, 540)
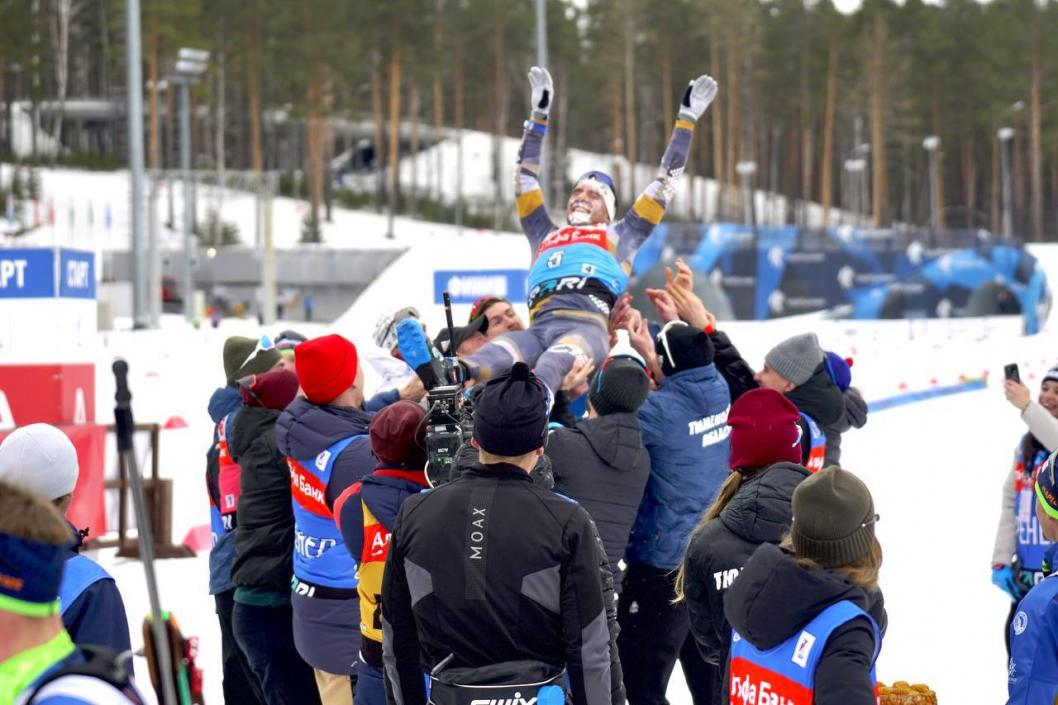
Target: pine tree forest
(804, 89)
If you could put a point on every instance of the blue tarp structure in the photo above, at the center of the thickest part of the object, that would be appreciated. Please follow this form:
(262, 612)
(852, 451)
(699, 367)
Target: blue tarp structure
(775, 271)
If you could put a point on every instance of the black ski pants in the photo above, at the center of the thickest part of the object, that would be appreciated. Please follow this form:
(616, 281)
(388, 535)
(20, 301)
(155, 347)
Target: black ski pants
(654, 634)
(266, 636)
(239, 684)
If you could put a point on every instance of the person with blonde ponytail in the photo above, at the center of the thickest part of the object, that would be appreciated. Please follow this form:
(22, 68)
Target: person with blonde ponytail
(751, 508)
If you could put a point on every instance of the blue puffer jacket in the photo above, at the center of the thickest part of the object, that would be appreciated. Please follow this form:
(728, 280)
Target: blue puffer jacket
(223, 401)
(685, 431)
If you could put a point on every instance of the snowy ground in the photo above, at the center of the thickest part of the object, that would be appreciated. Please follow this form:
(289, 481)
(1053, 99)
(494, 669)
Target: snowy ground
(935, 468)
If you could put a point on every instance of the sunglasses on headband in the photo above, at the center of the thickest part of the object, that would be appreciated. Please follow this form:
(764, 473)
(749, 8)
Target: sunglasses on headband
(265, 343)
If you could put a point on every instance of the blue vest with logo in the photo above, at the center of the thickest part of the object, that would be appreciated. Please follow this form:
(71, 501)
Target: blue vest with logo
(786, 673)
(1031, 545)
(79, 573)
(1033, 669)
(320, 555)
(817, 445)
(568, 257)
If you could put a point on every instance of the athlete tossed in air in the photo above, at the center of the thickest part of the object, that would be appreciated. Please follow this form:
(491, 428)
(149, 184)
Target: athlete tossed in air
(581, 268)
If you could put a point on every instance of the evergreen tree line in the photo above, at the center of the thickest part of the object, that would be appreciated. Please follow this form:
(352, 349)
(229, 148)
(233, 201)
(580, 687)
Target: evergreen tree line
(831, 108)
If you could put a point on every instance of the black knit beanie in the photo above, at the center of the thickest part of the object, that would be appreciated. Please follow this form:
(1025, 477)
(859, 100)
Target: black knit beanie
(680, 347)
(620, 386)
(511, 413)
(833, 518)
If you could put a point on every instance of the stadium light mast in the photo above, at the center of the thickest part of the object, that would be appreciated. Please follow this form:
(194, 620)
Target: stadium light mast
(930, 144)
(189, 67)
(137, 220)
(1005, 135)
(746, 170)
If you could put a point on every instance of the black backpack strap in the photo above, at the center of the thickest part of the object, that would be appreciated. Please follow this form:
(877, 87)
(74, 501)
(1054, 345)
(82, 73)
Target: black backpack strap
(100, 662)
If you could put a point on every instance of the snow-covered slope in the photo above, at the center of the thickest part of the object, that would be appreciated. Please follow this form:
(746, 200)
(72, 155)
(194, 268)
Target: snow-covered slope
(90, 210)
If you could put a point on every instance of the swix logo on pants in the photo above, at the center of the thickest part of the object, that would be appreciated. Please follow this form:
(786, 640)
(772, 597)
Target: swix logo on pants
(516, 700)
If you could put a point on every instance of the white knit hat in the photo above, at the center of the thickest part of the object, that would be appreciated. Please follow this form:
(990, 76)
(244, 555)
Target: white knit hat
(39, 458)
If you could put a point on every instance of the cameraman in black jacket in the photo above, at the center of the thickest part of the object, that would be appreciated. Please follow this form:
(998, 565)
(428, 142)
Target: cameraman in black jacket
(492, 573)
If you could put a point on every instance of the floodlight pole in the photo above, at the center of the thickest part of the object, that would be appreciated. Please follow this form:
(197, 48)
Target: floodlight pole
(930, 144)
(1005, 135)
(134, 82)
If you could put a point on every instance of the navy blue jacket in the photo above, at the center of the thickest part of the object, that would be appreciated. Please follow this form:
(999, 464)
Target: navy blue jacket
(97, 616)
(383, 494)
(223, 401)
(383, 491)
(327, 631)
(685, 432)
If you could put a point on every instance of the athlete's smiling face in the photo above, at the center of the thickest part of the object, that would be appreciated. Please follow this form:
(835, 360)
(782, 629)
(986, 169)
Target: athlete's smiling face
(586, 206)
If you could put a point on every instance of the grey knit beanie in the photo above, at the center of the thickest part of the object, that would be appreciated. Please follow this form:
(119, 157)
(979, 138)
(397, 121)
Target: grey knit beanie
(833, 518)
(796, 358)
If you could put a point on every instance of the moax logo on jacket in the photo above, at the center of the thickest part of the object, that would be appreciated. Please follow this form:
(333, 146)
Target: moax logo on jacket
(516, 700)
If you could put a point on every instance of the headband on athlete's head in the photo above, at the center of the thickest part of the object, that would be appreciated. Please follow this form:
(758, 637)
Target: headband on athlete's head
(1047, 487)
(602, 184)
(30, 574)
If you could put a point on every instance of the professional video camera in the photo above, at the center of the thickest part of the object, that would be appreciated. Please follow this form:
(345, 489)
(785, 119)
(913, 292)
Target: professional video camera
(450, 415)
(450, 424)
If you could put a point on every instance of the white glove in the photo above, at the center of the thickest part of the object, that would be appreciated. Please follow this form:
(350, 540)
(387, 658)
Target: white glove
(696, 99)
(543, 90)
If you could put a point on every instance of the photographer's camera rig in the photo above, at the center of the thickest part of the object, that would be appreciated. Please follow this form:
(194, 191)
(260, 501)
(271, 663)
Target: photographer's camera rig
(450, 424)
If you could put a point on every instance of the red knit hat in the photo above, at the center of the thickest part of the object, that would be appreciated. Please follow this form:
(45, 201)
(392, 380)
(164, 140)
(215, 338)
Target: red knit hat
(764, 430)
(398, 435)
(326, 367)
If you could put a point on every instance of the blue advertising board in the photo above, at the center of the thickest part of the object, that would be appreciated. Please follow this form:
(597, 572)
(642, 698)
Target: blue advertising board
(467, 286)
(27, 274)
(31, 273)
(77, 276)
